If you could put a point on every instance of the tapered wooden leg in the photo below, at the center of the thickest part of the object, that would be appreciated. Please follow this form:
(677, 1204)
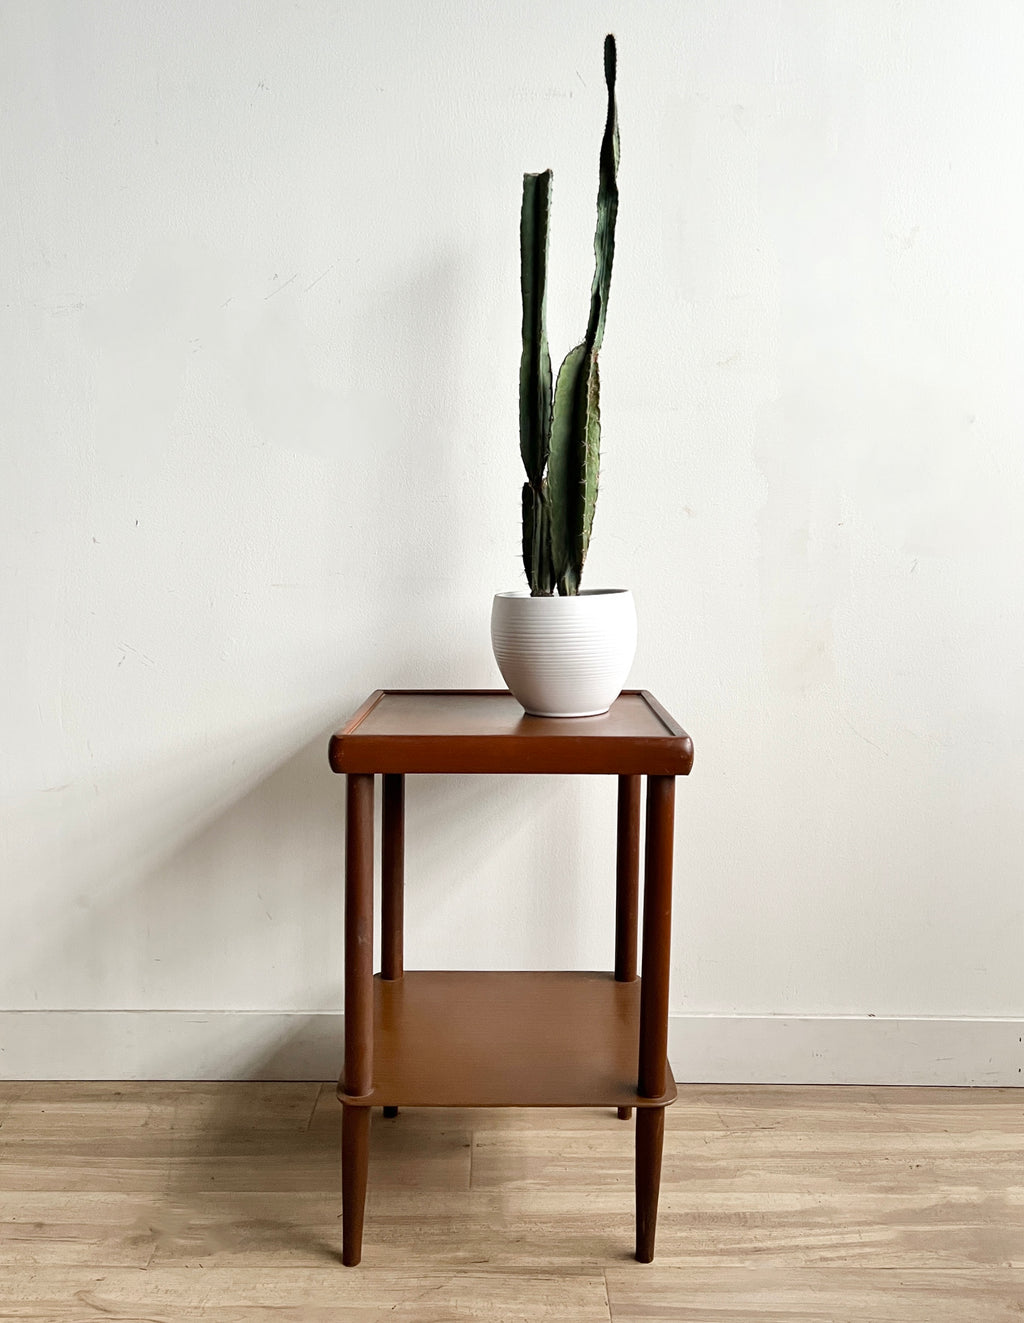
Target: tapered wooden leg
(359, 934)
(650, 1136)
(657, 945)
(657, 936)
(627, 886)
(355, 1158)
(627, 878)
(392, 889)
(358, 1072)
(392, 885)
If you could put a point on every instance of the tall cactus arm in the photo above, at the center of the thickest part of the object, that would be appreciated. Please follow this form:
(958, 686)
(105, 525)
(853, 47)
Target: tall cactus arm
(535, 365)
(591, 464)
(607, 207)
(573, 466)
(535, 381)
(576, 423)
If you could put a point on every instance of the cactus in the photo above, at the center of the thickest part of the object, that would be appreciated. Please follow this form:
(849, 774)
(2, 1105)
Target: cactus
(535, 381)
(560, 437)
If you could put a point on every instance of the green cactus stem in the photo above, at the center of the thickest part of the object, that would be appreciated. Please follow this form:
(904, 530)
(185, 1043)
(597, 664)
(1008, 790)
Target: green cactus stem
(560, 437)
(535, 381)
(575, 452)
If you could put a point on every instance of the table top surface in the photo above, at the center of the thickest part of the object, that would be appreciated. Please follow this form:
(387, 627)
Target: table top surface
(485, 730)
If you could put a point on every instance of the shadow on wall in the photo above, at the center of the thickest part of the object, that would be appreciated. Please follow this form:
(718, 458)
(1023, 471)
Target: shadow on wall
(193, 893)
(209, 875)
(206, 872)
(152, 880)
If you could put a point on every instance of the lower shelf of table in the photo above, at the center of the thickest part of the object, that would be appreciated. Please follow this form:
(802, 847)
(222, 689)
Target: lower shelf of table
(496, 1039)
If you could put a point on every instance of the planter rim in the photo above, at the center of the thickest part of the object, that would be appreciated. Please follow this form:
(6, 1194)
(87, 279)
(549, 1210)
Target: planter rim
(524, 594)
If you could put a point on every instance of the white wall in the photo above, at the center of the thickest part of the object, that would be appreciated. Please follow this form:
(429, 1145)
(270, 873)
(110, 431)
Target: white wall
(259, 331)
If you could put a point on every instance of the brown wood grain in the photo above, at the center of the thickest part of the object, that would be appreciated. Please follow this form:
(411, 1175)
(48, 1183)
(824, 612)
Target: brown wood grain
(392, 877)
(359, 934)
(566, 1040)
(496, 1039)
(469, 731)
(627, 876)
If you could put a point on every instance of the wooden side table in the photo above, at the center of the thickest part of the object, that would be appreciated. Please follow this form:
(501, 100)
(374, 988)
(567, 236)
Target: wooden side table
(466, 1039)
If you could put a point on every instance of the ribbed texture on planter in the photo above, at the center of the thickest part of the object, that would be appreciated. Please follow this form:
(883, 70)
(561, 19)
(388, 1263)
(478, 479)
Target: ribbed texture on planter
(565, 656)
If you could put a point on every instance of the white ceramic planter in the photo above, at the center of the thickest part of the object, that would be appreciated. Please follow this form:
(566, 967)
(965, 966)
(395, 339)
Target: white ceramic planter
(565, 656)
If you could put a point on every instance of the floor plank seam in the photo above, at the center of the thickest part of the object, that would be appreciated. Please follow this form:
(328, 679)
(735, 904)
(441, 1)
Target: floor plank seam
(607, 1296)
(316, 1103)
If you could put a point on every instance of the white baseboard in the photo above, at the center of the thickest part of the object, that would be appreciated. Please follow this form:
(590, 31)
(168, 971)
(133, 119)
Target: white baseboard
(708, 1049)
(846, 1049)
(170, 1045)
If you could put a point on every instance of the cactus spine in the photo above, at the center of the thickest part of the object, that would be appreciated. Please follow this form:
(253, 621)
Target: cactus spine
(560, 434)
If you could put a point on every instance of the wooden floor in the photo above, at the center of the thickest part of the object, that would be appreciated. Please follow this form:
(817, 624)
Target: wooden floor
(170, 1202)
